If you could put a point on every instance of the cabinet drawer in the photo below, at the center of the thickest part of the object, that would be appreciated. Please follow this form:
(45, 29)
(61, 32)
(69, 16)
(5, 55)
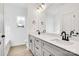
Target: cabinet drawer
(46, 53)
(37, 41)
(46, 46)
(38, 49)
(37, 54)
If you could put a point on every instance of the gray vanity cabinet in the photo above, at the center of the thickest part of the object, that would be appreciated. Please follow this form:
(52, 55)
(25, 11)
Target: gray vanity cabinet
(40, 47)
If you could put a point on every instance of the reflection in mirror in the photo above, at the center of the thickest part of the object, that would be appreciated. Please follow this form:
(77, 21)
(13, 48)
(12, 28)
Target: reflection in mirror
(51, 17)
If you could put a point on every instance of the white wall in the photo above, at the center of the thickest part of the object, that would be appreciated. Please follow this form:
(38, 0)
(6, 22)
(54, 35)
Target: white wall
(16, 34)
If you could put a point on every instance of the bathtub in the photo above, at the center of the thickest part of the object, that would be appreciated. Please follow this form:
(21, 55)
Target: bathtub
(7, 45)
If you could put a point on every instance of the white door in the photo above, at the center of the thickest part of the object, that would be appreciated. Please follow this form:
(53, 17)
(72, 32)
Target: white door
(1, 30)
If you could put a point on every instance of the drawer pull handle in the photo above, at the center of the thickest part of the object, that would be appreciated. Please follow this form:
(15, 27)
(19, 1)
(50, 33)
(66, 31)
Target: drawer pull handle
(37, 40)
(43, 44)
(30, 41)
(0, 43)
(37, 48)
(50, 55)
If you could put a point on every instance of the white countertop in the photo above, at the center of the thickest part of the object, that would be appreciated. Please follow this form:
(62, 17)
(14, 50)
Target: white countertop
(72, 46)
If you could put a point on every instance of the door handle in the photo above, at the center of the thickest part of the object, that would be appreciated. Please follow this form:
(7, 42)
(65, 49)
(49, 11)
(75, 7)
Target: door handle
(3, 36)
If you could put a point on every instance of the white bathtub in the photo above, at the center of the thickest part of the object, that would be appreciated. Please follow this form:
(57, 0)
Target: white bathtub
(7, 45)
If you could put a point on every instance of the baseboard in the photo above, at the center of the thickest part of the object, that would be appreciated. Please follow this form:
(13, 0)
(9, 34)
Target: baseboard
(18, 44)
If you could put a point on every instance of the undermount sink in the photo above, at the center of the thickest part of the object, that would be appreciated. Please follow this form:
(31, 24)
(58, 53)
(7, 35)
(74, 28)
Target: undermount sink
(63, 42)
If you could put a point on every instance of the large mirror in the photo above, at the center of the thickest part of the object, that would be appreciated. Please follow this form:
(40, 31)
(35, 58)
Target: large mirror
(61, 17)
(52, 18)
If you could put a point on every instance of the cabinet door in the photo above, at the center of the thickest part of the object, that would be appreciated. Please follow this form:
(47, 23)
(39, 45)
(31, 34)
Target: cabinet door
(46, 49)
(46, 46)
(38, 49)
(37, 53)
(60, 51)
(31, 47)
(38, 46)
(46, 53)
(31, 43)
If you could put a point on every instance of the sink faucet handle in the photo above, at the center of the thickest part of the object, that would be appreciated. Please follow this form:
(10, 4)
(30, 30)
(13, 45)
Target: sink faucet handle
(71, 32)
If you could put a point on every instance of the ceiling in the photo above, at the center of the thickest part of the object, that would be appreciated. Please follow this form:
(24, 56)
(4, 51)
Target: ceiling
(26, 5)
(20, 5)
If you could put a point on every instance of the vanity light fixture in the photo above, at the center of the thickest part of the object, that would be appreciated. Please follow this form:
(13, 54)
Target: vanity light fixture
(39, 10)
(41, 7)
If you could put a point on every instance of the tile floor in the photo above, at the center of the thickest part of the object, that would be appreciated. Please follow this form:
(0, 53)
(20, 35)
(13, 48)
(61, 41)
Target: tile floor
(19, 51)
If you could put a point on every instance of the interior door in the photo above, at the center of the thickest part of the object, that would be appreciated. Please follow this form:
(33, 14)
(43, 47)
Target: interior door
(1, 30)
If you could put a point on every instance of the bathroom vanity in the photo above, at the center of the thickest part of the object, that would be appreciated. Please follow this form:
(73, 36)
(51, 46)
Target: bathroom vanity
(51, 45)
